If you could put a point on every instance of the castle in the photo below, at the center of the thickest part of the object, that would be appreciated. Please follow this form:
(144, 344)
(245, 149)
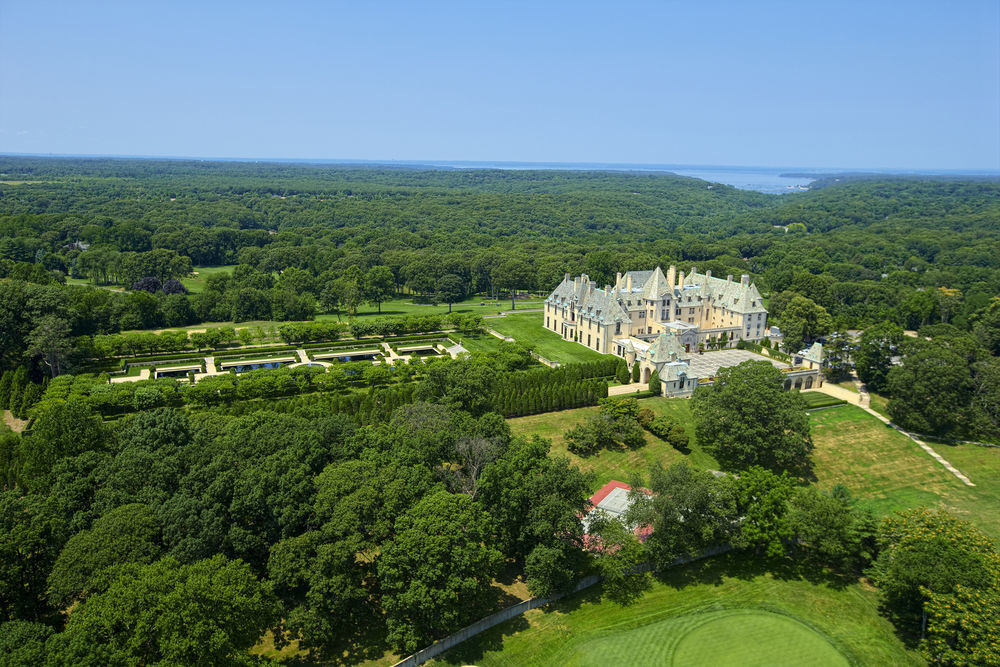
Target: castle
(696, 307)
(660, 321)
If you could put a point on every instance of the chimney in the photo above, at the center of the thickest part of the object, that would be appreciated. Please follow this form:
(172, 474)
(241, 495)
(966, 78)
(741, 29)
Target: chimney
(618, 280)
(680, 281)
(576, 283)
(745, 279)
(729, 278)
(694, 270)
(607, 289)
(672, 277)
(708, 274)
(628, 282)
(566, 277)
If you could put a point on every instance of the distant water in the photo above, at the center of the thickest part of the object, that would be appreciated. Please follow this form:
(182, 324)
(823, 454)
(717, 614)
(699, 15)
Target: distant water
(761, 179)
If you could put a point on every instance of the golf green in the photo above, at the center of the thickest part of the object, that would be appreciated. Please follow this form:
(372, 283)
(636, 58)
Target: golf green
(716, 638)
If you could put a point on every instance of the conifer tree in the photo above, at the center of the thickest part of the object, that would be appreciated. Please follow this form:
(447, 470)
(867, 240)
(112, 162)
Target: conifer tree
(654, 383)
(621, 372)
(635, 372)
(5, 382)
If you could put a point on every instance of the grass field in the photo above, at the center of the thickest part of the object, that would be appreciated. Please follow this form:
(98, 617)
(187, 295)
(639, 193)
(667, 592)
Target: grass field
(618, 464)
(199, 278)
(875, 462)
(527, 329)
(727, 610)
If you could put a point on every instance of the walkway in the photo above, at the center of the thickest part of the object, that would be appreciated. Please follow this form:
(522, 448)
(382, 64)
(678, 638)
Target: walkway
(628, 388)
(863, 400)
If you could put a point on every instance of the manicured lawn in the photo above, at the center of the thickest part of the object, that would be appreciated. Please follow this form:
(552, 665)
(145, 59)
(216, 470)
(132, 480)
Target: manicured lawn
(624, 463)
(199, 278)
(527, 329)
(405, 306)
(478, 343)
(979, 504)
(727, 610)
(890, 472)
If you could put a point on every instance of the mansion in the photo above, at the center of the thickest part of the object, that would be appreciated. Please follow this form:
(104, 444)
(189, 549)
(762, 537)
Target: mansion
(663, 321)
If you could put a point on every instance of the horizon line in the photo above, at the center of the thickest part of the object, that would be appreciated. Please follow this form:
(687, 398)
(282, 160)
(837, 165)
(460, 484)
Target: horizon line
(541, 165)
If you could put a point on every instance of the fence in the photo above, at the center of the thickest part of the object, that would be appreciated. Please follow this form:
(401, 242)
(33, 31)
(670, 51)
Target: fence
(483, 624)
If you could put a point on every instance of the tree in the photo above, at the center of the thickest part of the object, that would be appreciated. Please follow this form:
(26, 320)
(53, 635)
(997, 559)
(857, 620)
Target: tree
(635, 372)
(803, 321)
(837, 356)
(962, 627)
(689, 510)
(450, 289)
(618, 553)
(830, 529)
(22, 643)
(747, 418)
(987, 326)
(621, 372)
(208, 612)
(535, 500)
(511, 275)
(923, 553)
(379, 284)
(931, 391)
(31, 536)
(762, 500)
(615, 426)
(50, 340)
(873, 358)
(61, 429)
(654, 383)
(437, 573)
(127, 534)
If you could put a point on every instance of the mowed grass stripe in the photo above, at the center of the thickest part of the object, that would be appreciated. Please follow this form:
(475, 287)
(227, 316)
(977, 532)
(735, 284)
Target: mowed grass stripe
(528, 329)
(570, 631)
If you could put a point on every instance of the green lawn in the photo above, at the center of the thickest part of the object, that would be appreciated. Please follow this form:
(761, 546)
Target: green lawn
(479, 342)
(199, 276)
(727, 610)
(527, 329)
(624, 463)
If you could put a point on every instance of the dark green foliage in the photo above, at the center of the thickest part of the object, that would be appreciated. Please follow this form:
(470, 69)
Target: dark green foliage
(31, 536)
(535, 500)
(60, 430)
(762, 501)
(873, 358)
(931, 391)
(669, 431)
(830, 529)
(209, 612)
(635, 372)
(689, 511)
(746, 418)
(436, 573)
(128, 534)
(924, 552)
(6, 379)
(618, 553)
(654, 383)
(614, 427)
(621, 372)
(22, 643)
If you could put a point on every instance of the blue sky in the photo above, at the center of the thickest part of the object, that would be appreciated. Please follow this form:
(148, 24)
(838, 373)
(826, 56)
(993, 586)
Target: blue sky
(881, 84)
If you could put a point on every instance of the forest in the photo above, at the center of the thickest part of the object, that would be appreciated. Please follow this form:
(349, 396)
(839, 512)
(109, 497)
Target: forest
(357, 512)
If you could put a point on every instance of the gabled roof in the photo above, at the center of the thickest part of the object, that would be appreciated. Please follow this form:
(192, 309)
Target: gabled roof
(584, 295)
(667, 347)
(656, 285)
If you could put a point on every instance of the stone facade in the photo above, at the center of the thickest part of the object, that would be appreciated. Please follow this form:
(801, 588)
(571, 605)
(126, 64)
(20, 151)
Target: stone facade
(661, 320)
(643, 304)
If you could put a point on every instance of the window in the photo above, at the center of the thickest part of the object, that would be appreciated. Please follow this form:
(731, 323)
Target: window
(588, 340)
(618, 328)
(598, 346)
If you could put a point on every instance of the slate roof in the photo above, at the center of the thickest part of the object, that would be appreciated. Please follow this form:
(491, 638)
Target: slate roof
(593, 302)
